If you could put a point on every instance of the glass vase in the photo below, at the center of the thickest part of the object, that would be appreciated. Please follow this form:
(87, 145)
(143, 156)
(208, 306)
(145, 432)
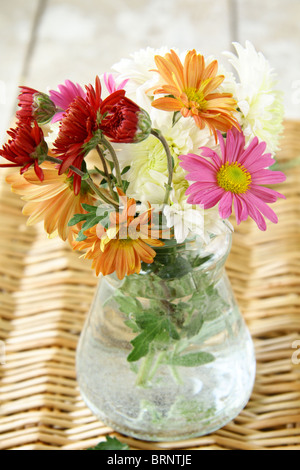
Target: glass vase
(165, 354)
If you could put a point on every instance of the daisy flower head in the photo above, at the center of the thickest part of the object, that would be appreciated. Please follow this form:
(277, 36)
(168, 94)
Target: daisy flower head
(52, 200)
(191, 88)
(236, 177)
(126, 243)
(260, 103)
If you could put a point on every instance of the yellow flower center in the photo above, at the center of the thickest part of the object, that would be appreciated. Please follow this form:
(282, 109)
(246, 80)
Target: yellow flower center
(196, 97)
(234, 177)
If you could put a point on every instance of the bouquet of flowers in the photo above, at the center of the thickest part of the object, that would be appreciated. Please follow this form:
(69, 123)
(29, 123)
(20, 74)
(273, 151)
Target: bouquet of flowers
(179, 141)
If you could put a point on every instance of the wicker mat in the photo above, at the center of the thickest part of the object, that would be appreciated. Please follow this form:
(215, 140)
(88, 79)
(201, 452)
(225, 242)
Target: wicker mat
(46, 292)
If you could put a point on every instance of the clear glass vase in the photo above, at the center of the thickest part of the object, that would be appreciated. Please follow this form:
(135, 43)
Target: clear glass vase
(165, 354)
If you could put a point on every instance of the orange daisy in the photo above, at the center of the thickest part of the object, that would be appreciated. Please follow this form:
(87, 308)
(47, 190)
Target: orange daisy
(52, 200)
(124, 245)
(193, 89)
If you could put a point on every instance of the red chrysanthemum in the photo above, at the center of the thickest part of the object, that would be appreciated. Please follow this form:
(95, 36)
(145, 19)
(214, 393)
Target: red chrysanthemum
(80, 128)
(126, 122)
(25, 148)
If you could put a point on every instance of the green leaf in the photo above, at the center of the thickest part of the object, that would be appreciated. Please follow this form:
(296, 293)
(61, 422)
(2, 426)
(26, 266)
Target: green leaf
(81, 237)
(128, 305)
(153, 327)
(100, 172)
(77, 219)
(91, 221)
(175, 269)
(198, 261)
(89, 208)
(111, 443)
(194, 325)
(191, 360)
(127, 168)
(132, 325)
(176, 116)
(141, 344)
(125, 185)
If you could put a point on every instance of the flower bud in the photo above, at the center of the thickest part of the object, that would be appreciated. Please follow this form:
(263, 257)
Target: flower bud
(35, 106)
(144, 126)
(43, 108)
(126, 122)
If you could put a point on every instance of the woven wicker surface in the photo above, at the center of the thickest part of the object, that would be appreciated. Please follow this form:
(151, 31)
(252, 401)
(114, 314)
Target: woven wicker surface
(46, 292)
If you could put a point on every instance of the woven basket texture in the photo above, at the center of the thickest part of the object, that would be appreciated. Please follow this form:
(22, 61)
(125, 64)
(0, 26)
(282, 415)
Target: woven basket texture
(46, 292)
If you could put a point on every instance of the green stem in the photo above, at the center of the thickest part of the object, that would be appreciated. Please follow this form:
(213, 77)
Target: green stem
(99, 193)
(160, 137)
(176, 375)
(158, 361)
(108, 178)
(89, 181)
(145, 368)
(111, 150)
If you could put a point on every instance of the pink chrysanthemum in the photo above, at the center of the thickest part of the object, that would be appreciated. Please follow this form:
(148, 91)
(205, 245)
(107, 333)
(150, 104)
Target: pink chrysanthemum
(111, 85)
(236, 178)
(64, 97)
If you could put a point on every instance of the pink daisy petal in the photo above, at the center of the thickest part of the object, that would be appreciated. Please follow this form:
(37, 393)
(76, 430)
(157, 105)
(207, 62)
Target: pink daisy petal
(208, 153)
(202, 175)
(263, 208)
(240, 209)
(256, 215)
(198, 187)
(225, 205)
(191, 162)
(111, 84)
(261, 163)
(211, 198)
(252, 145)
(268, 177)
(235, 144)
(265, 194)
(66, 94)
(58, 116)
(252, 153)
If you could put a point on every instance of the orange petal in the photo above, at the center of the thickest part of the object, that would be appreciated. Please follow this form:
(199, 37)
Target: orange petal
(167, 104)
(211, 70)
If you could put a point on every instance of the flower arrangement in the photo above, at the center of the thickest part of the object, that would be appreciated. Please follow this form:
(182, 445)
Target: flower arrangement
(191, 143)
(156, 154)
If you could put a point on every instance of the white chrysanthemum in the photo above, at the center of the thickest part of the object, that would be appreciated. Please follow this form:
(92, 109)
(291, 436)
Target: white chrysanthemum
(139, 69)
(259, 100)
(187, 220)
(52, 130)
(148, 172)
